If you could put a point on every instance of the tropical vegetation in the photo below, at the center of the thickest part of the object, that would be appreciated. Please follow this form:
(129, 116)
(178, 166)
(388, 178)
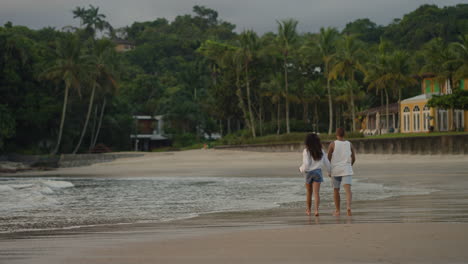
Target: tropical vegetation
(66, 90)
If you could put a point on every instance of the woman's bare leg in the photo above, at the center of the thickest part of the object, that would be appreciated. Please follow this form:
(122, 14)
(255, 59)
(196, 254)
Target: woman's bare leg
(316, 187)
(308, 198)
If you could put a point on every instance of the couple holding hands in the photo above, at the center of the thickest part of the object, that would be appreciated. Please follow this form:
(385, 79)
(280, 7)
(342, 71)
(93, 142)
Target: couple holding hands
(338, 161)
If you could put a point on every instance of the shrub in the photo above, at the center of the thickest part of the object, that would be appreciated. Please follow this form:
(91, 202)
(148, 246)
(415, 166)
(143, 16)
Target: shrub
(184, 140)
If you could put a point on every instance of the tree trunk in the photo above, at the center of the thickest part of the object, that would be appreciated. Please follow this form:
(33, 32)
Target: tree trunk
(83, 132)
(316, 117)
(451, 110)
(100, 123)
(338, 116)
(93, 128)
(62, 121)
(249, 102)
(241, 101)
(261, 117)
(386, 110)
(287, 94)
(380, 114)
(399, 109)
(353, 109)
(221, 127)
(330, 106)
(278, 130)
(343, 119)
(353, 112)
(305, 112)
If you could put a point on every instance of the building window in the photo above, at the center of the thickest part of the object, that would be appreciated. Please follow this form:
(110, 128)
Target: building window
(428, 86)
(406, 119)
(442, 119)
(416, 119)
(459, 120)
(436, 87)
(426, 118)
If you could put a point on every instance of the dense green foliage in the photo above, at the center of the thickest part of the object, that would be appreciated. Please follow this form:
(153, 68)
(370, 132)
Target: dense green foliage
(458, 100)
(64, 91)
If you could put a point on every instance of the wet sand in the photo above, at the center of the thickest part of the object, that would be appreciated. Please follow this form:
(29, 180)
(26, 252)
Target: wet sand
(406, 229)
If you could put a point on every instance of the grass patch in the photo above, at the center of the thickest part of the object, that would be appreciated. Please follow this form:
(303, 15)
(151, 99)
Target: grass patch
(425, 134)
(296, 137)
(241, 138)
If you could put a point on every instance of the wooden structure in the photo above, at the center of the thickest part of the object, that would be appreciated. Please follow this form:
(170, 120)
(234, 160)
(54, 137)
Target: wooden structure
(149, 133)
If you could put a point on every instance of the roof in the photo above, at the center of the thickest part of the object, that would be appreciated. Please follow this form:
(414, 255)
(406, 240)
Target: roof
(150, 136)
(418, 98)
(424, 75)
(392, 108)
(146, 117)
(124, 42)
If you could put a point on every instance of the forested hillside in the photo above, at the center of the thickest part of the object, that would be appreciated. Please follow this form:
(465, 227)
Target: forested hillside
(66, 90)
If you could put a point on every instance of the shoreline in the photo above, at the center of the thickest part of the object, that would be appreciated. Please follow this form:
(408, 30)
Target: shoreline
(268, 215)
(415, 226)
(212, 162)
(281, 216)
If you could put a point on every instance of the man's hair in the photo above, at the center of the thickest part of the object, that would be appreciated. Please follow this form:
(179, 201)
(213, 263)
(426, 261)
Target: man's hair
(340, 132)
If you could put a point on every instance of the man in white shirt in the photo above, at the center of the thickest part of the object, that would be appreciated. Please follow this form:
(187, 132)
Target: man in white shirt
(342, 157)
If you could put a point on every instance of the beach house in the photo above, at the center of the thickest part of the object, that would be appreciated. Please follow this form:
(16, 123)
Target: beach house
(149, 133)
(374, 120)
(123, 45)
(416, 116)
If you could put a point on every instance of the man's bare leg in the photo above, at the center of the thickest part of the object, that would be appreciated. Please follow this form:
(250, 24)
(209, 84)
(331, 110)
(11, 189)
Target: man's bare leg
(308, 198)
(316, 187)
(336, 198)
(349, 197)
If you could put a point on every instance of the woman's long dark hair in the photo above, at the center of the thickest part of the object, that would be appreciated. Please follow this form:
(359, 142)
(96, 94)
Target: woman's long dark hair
(314, 146)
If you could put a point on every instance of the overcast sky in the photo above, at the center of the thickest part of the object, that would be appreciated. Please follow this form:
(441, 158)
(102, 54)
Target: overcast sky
(259, 15)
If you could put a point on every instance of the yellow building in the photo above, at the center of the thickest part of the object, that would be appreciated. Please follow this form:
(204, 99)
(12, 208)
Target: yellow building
(123, 45)
(416, 116)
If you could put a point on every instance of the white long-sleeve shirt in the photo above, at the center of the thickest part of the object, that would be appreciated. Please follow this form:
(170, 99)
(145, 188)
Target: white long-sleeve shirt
(309, 164)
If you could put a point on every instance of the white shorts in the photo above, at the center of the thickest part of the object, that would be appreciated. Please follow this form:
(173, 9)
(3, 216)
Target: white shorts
(337, 180)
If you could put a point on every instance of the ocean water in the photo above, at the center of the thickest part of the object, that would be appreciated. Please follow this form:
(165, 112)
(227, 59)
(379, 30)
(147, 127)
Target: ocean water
(46, 203)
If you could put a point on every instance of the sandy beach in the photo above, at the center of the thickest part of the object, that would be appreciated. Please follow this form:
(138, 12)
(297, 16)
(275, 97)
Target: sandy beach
(422, 228)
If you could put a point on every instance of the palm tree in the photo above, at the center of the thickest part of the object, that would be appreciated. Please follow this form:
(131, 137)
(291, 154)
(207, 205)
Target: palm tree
(108, 84)
(389, 71)
(101, 76)
(80, 12)
(287, 36)
(249, 45)
(399, 72)
(314, 90)
(349, 91)
(230, 61)
(461, 59)
(348, 63)
(326, 44)
(399, 69)
(441, 60)
(273, 90)
(92, 19)
(68, 68)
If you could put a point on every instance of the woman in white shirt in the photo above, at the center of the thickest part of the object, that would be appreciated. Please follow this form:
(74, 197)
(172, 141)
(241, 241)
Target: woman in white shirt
(313, 159)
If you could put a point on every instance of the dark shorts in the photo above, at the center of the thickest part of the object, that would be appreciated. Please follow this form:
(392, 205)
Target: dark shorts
(314, 176)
